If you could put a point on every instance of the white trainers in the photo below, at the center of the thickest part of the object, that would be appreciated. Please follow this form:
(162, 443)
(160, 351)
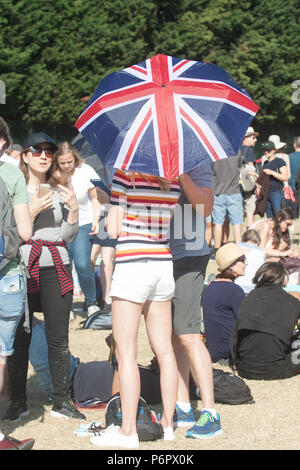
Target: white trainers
(111, 437)
(169, 434)
(92, 309)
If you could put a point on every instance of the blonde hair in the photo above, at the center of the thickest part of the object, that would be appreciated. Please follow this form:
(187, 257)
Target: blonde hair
(57, 176)
(62, 149)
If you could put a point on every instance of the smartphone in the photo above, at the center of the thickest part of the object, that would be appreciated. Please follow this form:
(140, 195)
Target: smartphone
(44, 189)
(100, 185)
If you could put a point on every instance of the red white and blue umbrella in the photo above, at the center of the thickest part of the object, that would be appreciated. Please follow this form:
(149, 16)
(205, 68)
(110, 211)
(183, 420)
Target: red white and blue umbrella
(166, 116)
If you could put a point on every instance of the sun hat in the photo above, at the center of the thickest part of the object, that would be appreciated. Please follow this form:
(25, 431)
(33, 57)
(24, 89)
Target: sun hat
(250, 131)
(39, 138)
(268, 145)
(227, 255)
(276, 140)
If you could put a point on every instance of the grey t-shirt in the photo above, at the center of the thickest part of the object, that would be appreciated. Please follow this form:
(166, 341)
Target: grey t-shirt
(52, 225)
(226, 175)
(187, 228)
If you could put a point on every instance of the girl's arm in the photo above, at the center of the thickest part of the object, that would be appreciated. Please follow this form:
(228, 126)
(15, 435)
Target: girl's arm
(96, 206)
(114, 221)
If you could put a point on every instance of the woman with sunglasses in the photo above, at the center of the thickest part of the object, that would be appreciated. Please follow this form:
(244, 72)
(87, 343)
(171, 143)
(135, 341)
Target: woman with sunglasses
(50, 288)
(68, 163)
(277, 169)
(222, 299)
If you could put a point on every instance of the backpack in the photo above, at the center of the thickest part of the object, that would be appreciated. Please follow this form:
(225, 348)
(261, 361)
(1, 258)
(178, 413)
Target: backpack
(97, 321)
(9, 237)
(247, 182)
(148, 427)
(230, 389)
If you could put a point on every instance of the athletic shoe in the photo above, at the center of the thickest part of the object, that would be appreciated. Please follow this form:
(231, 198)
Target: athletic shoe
(92, 309)
(182, 419)
(206, 427)
(91, 429)
(10, 443)
(66, 409)
(111, 437)
(16, 411)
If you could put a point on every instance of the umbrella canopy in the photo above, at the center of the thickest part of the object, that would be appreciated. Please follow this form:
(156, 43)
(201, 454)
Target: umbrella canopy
(91, 158)
(166, 115)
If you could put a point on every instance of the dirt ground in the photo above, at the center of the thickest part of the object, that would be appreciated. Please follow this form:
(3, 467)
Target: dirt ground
(272, 423)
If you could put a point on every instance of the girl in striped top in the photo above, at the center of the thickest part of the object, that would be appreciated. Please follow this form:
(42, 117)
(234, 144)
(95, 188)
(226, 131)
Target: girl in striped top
(141, 211)
(149, 205)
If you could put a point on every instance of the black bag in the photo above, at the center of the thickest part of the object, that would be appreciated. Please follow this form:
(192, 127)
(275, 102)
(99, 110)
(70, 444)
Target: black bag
(97, 321)
(230, 389)
(148, 427)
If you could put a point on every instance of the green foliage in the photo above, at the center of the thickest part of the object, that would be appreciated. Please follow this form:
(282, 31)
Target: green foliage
(55, 52)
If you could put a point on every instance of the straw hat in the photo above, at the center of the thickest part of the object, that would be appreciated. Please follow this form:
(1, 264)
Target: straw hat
(227, 255)
(250, 131)
(276, 139)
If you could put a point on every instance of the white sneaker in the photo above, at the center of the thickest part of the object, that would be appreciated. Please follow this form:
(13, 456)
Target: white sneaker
(111, 437)
(92, 309)
(169, 434)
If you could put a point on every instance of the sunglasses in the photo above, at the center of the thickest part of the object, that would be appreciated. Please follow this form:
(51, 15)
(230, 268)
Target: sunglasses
(37, 152)
(241, 259)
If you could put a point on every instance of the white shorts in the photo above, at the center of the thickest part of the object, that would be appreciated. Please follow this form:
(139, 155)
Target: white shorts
(140, 281)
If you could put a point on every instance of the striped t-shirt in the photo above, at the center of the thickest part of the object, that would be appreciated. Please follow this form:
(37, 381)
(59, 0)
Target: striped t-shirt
(148, 212)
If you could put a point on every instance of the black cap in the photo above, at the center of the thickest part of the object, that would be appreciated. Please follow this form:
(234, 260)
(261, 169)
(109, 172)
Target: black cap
(39, 138)
(269, 145)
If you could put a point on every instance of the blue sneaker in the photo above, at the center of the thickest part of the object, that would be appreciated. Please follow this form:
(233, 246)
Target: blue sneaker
(182, 419)
(206, 427)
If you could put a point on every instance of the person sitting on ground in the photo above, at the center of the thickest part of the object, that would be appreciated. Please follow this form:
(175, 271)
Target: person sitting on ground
(255, 257)
(262, 341)
(222, 299)
(275, 235)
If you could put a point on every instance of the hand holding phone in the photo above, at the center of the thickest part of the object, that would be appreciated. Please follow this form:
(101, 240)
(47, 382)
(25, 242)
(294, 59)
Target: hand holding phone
(44, 189)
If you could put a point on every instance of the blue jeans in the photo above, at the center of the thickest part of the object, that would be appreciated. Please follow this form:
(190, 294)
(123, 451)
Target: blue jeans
(80, 252)
(12, 307)
(273, 203)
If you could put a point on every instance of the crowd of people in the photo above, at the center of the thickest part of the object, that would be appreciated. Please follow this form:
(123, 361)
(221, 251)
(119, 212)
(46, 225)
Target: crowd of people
(62, 219)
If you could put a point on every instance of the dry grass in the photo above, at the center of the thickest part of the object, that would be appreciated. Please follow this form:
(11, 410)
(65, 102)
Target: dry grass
(271, 423)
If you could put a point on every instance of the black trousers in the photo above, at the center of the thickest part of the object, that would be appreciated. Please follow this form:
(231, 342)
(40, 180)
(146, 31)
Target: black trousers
(56, 309)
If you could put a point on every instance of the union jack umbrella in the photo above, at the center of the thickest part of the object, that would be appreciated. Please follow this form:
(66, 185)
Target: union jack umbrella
(166, 116)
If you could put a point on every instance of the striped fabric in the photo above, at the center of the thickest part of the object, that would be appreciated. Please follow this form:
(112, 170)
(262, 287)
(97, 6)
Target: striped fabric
(147, 216)
(64, 279)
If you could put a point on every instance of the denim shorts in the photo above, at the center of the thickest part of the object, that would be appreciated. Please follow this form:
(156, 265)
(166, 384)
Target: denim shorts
(103, 238)
(231, 203)
(12, 307)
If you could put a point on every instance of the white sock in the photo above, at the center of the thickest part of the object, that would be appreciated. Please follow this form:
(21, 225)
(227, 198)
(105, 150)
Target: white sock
(168, 434)
(212, 411)
(184, 406)
(1, 436)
